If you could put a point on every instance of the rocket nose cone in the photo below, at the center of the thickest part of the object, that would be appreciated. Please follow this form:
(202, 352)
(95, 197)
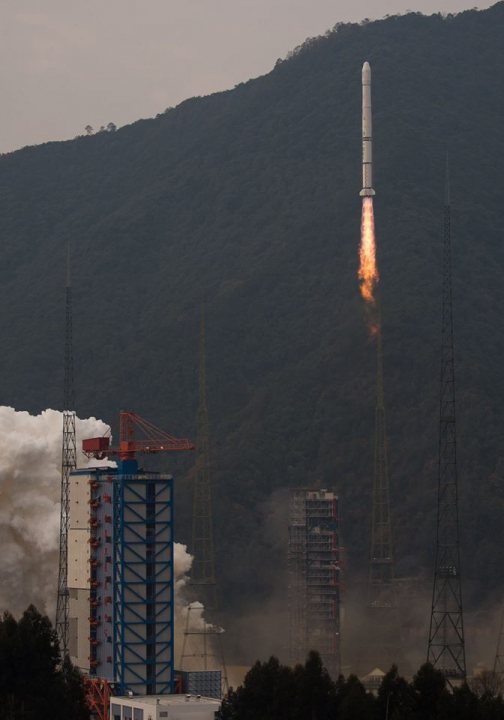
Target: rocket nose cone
(366, 72)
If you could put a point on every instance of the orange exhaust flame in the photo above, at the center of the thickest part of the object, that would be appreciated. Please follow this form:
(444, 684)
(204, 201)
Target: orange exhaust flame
(368, 272)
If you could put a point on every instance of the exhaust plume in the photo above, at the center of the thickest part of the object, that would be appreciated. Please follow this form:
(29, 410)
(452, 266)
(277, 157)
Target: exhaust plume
(368, 271)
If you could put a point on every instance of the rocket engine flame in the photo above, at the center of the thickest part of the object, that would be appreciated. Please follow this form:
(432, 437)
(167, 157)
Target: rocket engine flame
(368, 271)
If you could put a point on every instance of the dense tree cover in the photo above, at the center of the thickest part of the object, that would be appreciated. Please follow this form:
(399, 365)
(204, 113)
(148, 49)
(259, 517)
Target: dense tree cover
(272, 691)
(34, 683)
(249, 199)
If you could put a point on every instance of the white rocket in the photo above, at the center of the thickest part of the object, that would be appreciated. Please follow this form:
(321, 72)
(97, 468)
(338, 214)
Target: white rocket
(367, 133)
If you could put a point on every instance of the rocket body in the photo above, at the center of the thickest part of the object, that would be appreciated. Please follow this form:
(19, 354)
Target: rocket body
(367, 133)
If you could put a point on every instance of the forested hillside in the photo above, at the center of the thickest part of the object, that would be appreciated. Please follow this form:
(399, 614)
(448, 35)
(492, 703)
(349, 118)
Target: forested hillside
(249, 200)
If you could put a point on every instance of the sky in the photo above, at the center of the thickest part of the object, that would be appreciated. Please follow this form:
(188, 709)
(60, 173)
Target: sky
(65, 64)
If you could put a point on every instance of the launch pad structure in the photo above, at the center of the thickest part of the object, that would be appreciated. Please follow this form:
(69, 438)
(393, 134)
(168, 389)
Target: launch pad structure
(314, 577)
(120, 573)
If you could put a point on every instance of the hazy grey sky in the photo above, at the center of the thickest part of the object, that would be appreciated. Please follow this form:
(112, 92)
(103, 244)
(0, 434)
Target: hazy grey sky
(67, 63)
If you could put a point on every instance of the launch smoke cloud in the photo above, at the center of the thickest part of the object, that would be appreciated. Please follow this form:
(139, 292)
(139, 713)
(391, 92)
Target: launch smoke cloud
(30, 477)
(30, 481)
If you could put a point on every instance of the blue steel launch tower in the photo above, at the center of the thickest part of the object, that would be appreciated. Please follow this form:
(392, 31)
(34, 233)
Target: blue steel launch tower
(120, 564)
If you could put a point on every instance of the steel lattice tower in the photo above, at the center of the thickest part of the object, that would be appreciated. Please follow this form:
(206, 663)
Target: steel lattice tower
(314, 572)
(381, 561)
(498, 667)
(68, 463)
(203, 569)
(446, 650)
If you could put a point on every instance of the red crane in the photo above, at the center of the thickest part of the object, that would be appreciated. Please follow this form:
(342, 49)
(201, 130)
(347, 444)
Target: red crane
(154, 440)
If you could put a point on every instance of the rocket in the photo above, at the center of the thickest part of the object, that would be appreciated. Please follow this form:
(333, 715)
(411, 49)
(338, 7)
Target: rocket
(367, 133)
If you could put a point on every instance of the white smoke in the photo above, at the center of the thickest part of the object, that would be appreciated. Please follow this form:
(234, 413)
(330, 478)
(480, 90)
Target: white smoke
(30, 481)
(30, 484)
(189, 616)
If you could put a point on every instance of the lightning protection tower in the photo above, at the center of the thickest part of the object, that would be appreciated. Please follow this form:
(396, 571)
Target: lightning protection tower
(446, 650)
(68, 464)
(381, 562)
(203, 569)
(498, 667)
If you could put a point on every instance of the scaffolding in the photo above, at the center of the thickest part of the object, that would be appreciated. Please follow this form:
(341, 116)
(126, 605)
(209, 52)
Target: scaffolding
(314, 577)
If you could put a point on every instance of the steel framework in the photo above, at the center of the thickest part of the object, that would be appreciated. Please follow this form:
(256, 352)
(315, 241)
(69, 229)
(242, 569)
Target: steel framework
(203, 569)
(143, 584)
(381, 561)
(314, 577)
(98, 694)
(446, 650)
(68, 463)
(498, 667)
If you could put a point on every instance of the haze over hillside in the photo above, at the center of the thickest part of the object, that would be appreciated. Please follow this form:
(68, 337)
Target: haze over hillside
(249, 201)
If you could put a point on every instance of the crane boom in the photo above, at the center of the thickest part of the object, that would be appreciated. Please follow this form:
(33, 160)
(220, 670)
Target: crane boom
(154, 440)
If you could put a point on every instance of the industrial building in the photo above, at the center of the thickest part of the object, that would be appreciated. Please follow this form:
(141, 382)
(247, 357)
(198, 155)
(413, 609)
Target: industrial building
(172, 707)
(314, 577)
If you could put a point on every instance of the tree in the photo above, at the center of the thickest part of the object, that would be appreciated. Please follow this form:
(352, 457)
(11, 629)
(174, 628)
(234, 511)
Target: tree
(352, 700)
(89, 129)
(32, 683)
(487, 683)
(465, 704)
(432, 699)
(73, 693)
(314, 689)
(111, 127)
(396, 698)
(266, 694)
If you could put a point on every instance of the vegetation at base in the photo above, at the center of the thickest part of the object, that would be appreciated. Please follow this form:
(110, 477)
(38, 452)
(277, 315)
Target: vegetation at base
(272, 691)
(249, 199)
(34, 683)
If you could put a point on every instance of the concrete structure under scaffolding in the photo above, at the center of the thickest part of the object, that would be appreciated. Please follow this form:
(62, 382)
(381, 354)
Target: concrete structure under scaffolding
(314, 577)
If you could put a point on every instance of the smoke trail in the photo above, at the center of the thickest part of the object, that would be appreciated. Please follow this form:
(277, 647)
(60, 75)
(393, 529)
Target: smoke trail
(368, 271)
(30, 477)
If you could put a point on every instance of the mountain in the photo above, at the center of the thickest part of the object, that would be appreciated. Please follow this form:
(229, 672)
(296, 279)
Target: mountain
(248, 200)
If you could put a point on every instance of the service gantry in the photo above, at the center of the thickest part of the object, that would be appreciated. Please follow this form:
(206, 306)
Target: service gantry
(120, 566)
(314, 577)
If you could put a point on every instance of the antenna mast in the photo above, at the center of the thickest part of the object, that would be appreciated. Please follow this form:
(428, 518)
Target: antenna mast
(68, 463)
(446, 650)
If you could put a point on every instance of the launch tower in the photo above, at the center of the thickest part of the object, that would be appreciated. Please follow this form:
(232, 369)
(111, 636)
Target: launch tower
(314, 577)
(120, 564)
